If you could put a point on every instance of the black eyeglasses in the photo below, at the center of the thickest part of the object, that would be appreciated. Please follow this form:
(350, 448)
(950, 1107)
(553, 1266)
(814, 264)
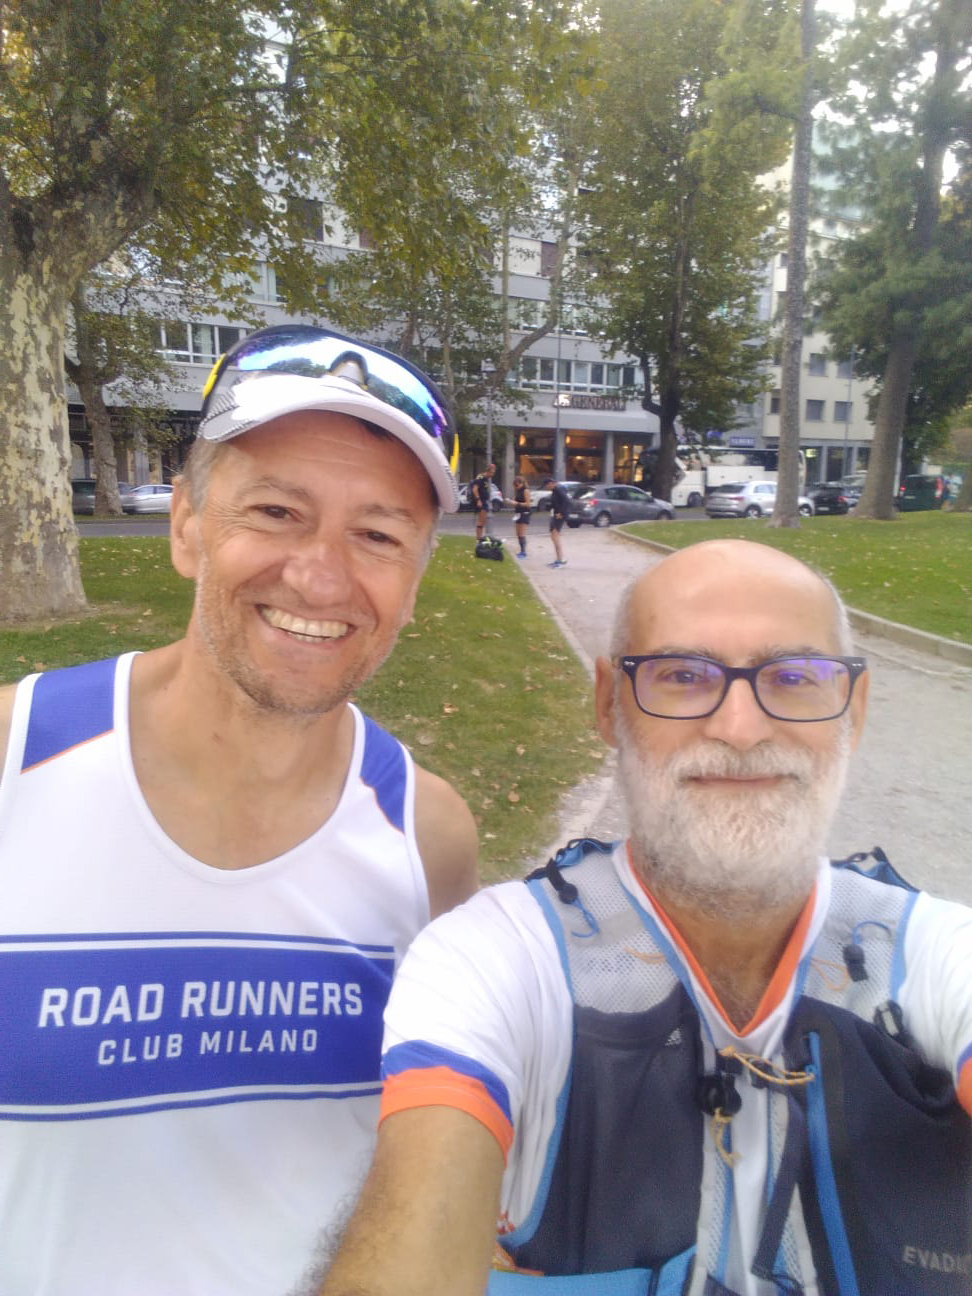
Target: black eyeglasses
(312, 352)
(798, 689)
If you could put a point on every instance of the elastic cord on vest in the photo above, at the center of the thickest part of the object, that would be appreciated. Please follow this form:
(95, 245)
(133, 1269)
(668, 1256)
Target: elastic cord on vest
(567, 893)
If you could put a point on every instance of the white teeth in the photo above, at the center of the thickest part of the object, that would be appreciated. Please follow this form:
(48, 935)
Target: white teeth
(308, 631)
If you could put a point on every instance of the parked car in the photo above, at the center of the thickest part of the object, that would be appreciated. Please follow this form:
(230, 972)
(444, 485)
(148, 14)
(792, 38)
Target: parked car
(750, 499)
(150, 499)
(602, 504)
(495, 498)
(541, 498)
(853, 488)
(920, 491)
(830, 497)
(83, 494)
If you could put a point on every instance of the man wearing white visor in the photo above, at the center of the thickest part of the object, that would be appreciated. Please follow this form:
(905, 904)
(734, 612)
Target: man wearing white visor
(211, 863)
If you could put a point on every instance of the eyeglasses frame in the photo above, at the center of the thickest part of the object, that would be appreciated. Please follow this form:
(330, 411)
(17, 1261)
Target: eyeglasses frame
(856, 666)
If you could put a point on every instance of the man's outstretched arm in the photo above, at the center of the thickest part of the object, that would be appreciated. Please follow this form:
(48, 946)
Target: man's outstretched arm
(426, 1219)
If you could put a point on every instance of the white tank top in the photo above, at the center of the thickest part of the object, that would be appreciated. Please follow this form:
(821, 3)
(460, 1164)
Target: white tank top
(189, 1057)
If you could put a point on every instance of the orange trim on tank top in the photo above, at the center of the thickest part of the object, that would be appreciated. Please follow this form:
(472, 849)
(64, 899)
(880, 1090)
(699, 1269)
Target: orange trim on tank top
(781, 978)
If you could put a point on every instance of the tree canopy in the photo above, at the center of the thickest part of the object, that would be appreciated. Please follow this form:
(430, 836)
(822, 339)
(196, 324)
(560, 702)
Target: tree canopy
(686, 114)
(187, 121)
(899, 294)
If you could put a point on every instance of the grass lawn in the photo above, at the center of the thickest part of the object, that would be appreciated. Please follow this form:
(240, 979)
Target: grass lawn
(916, 569)
(481, 685)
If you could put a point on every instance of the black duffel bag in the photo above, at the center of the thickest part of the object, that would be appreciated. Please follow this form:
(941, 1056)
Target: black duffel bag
(490, 547)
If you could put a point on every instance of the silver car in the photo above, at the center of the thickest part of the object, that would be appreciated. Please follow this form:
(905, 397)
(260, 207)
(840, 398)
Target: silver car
(751, 499)
(149, 499)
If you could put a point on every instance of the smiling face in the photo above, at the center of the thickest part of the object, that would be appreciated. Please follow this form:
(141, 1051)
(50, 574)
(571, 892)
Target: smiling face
(306, 551)
(735, 805)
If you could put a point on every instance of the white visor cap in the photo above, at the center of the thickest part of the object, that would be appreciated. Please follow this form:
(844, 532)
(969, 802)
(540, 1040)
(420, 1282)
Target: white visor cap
(264, 397)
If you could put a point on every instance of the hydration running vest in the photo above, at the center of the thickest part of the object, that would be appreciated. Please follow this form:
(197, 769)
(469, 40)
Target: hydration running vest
(868, 1148)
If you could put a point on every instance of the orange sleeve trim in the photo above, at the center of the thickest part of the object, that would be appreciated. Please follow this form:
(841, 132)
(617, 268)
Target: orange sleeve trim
(785, 969)
(965, 1086)
(440, 1087)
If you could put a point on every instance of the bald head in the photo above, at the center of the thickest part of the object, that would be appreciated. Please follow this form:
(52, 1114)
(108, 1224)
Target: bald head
(719, 584)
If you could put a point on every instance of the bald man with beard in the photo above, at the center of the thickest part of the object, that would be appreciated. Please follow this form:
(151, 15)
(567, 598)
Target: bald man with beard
(706, 1060)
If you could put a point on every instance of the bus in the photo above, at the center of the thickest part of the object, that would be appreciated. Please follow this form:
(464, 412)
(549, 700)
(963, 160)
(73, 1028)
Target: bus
(699, 469)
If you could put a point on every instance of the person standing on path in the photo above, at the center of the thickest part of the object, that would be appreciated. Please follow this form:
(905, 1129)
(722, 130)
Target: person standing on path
(559, 508)
(521, 518)
(480, 490)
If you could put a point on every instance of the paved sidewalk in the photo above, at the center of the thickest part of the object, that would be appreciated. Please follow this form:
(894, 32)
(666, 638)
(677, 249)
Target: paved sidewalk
(908, 787)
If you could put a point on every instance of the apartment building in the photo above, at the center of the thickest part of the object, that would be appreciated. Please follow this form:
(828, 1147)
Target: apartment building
(835, 432)
(586, 422)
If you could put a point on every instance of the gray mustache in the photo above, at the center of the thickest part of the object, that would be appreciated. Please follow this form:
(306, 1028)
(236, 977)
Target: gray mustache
(717, 763)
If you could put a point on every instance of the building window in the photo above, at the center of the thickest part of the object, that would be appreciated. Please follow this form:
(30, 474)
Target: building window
(775, 401)
(782, 260)
(264, 282)
(842, 411)
(576, 375)
(310, 217)
(226, 336)
(366, 240)
(844, 369)
(203, 342)
(817, 364)
(172, 339)
(548, 258)
(195, 343)
(815, 411)
(525, 312)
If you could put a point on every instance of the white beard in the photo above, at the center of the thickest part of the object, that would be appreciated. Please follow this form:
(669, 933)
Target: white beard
(725, 852)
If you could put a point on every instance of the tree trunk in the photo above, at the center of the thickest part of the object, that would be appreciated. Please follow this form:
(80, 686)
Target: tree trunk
(879, 486)
(786, 511)
(89, 377)
(666, 409)
(38, 538)
(881, 482)
(103, 443)
(963, 501)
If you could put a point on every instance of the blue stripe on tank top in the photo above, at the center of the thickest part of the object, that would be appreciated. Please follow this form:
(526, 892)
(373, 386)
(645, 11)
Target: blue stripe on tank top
(383, 770)
(69, 707)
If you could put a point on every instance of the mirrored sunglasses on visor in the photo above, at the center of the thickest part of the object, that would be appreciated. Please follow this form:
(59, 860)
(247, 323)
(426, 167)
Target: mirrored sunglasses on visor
(298, 367)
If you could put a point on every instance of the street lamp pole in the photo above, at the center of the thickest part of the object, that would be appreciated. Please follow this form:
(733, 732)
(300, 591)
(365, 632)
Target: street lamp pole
(488, 370)
(559, 465)
(847, 414)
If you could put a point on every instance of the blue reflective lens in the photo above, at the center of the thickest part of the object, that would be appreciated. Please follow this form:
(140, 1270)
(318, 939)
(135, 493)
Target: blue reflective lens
(313, 353)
